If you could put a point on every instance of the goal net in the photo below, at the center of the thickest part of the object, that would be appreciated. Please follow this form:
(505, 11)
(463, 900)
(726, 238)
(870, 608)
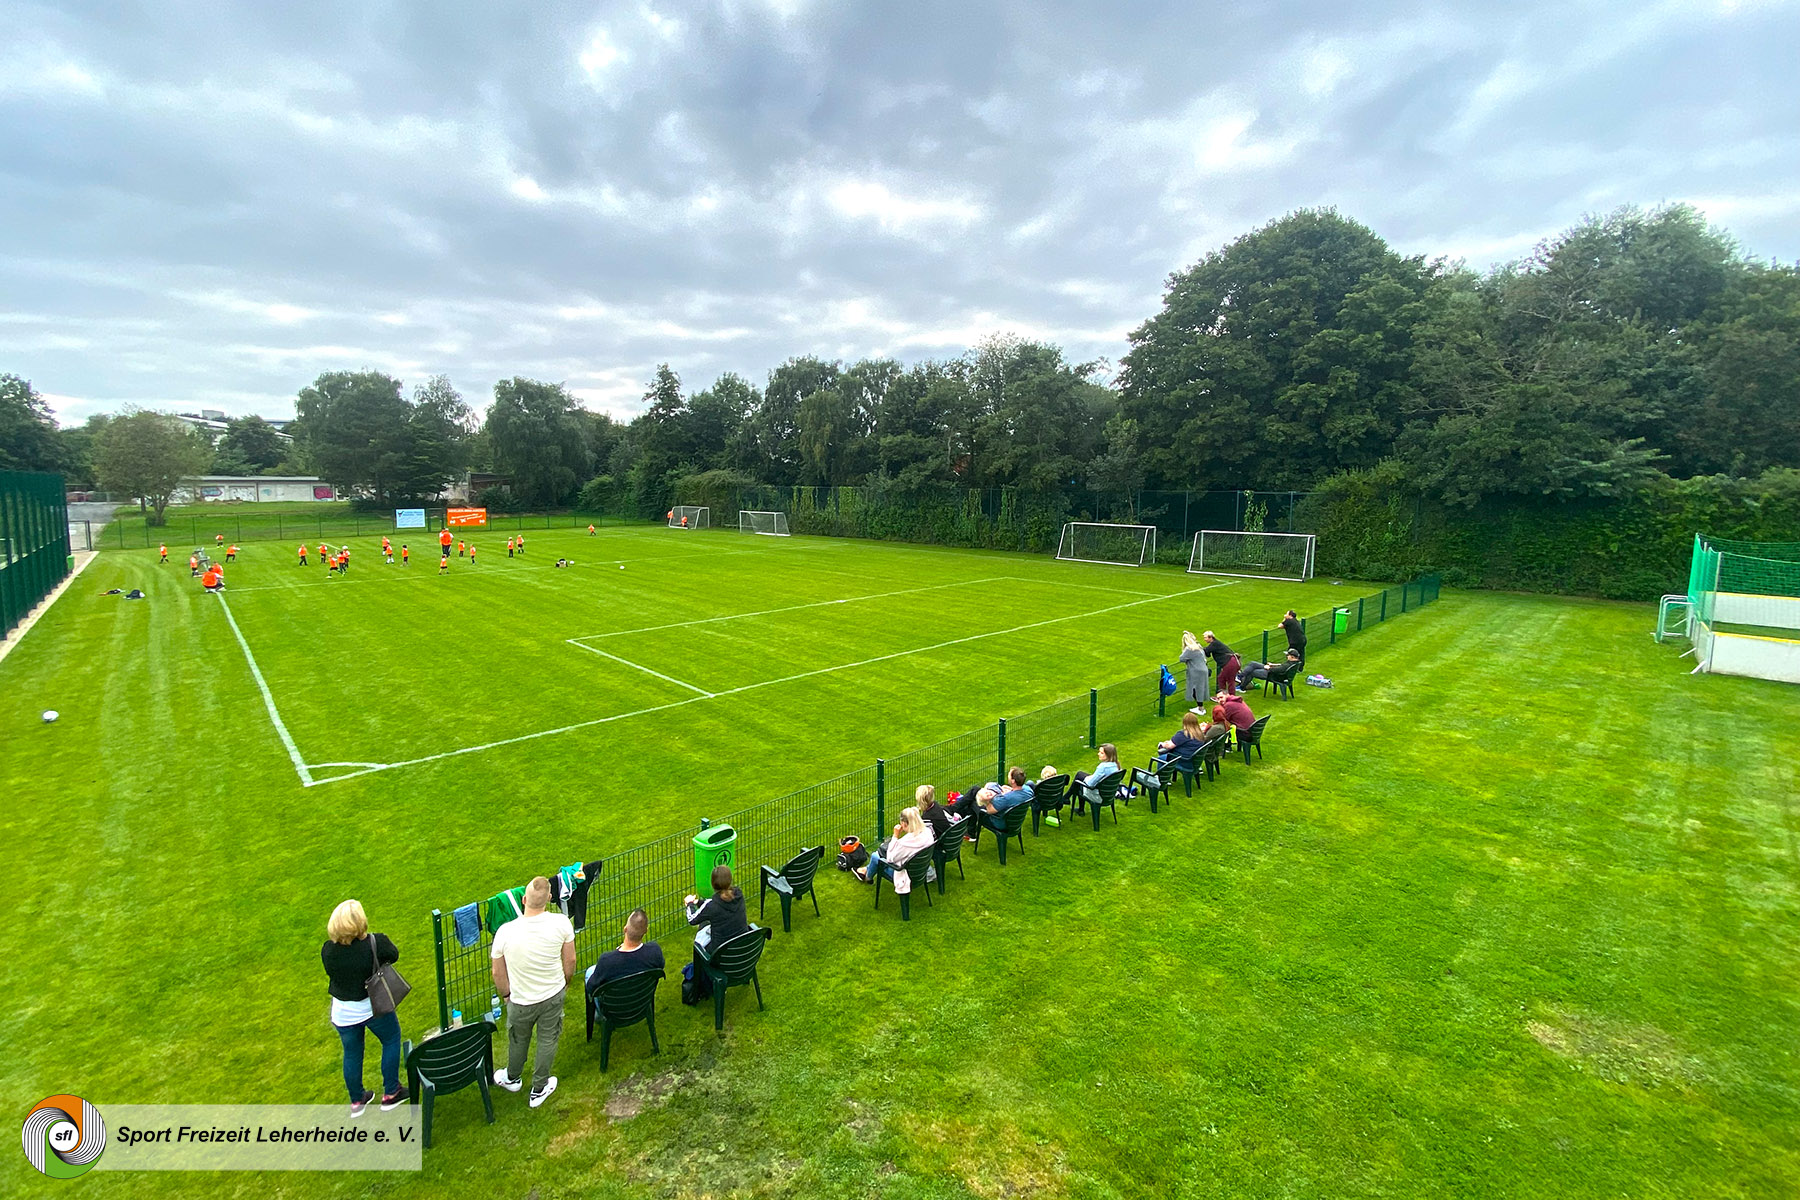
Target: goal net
(689, 516)
(1100, 542)
(1743, 604)
(772, 523)
(1252, 555)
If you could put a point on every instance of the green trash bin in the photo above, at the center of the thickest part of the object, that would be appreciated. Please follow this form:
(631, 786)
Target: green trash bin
(1340, 620)
(712, 847)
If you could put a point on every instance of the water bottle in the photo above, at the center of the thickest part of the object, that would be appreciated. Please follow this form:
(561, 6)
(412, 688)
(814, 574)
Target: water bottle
(456, 1018)
(494, 1008)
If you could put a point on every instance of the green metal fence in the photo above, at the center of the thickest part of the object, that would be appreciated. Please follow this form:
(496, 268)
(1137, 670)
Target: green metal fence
(34, 542)
(657, 875)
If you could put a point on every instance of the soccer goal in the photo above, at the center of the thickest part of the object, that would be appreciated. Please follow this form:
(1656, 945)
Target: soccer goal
(689, 516)
(1253, 555)
(1101, 542)
(772, 523)
(1743, 608)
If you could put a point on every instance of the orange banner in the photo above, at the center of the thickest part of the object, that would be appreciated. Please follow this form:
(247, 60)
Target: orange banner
(465, 516)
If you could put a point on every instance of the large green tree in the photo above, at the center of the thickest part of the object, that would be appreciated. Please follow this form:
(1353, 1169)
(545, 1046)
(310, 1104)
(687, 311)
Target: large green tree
(358, 430)
(539, 438)
(29, 439)
(1278, 359)
(149, 455)
(249, 446)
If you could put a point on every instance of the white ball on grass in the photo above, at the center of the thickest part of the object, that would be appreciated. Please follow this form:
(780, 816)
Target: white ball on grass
(50, 714)
(621, 566)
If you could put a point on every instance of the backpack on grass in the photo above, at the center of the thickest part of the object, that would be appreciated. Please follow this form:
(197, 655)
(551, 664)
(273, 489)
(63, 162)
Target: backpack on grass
(850, 853)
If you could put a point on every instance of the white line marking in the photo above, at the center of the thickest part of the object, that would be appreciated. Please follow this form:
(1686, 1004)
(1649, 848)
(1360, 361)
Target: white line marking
(1092, 587)
(287, 739)
(641, 667)
(790, 608)
(413, 762)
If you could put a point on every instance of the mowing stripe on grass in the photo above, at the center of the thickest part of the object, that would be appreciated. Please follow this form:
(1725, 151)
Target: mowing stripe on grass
(789, 608)
(749, 687)
(268, 700)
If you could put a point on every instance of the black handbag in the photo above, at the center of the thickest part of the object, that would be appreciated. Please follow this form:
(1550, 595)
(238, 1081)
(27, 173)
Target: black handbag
(386, 986)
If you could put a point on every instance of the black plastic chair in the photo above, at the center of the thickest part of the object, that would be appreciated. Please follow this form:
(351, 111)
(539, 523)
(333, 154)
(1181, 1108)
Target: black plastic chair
(1182, 765)
(918, 871)
(449, 1063)
(1048, 796)
(1011, 825)
(790, 883)
(1250, 737)
(1102, 795)
(621, 1002)
(1151, 786)
(948, 849)
(1281, 679)
(733, 964)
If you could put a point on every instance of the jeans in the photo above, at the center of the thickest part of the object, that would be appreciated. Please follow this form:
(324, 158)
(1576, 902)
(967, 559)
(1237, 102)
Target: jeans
(386, 1029)
(547, 1017)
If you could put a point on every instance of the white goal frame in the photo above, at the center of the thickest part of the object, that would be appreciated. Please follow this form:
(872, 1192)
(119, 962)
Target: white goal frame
(1309, 543)
(1146, 552)
(779, 526)
(699, 516)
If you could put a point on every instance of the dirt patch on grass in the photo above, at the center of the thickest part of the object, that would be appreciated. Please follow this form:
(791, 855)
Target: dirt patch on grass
(583, 1128)
(640, 1092)
(1618, 1051)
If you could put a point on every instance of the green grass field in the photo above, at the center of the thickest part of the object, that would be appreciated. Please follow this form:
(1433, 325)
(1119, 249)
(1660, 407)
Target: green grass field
(1511, 911)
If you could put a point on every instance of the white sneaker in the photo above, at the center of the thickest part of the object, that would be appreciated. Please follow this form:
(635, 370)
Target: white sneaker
(541, 1094)
(511, 1085)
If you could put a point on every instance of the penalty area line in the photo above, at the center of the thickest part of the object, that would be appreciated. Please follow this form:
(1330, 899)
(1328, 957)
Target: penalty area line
(641, 667)
(306, 777)
(561, 729)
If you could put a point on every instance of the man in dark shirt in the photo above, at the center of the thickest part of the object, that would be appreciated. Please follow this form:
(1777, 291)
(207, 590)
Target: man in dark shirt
(633, 955)
(1227, 661)
(1296, 634)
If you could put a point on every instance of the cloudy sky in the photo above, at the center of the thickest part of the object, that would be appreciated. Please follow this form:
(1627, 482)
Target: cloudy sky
(206, 204)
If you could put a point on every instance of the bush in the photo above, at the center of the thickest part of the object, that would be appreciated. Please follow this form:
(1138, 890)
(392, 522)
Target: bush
(497, 499)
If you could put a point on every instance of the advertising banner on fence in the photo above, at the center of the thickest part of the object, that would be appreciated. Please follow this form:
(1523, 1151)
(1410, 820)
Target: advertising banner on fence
(466, 516)
(409, 518)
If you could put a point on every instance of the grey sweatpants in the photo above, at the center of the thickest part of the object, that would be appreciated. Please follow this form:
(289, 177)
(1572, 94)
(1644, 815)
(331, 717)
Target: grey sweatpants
(547, 1017)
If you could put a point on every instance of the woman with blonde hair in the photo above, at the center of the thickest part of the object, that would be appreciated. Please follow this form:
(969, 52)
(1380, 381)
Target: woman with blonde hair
(910, 838)
(1193, 657)
(937, 818)
(350, 957)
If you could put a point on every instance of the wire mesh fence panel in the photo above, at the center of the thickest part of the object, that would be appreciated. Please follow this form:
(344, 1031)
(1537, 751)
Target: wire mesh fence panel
(954, 764)
(1055, 735)
(34, 541)
(1131, 700)
(774, 831)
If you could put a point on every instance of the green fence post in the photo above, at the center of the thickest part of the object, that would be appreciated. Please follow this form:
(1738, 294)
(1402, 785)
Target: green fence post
(1094, 715)
(1383, 617)
(1001, 773)
(1403, 588)
(1333, 639)
(1265, 654)
(1160, 698)
(880, 796)
(1359, 608)
(437, 936)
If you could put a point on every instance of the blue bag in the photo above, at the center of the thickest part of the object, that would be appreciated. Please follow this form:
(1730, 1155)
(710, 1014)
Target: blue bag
(1168, 682)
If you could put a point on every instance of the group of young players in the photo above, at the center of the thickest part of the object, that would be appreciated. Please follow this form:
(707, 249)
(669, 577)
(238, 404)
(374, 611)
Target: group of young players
(212, 575)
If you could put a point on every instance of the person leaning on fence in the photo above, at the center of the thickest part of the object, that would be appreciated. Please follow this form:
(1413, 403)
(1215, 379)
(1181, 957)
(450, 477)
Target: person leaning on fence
(1296, 634)
(633, 955)
(1193, 657)
(719, 919)
(1227, 660)
(534, 958)
(350, 956)
(910, 839)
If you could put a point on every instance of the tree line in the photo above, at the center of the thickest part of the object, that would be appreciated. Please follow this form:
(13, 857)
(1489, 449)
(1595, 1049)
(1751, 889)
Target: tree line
(1636, 345)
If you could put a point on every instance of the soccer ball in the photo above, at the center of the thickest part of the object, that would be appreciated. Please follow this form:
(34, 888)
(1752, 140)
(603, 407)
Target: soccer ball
(621, 566)
(50, 714)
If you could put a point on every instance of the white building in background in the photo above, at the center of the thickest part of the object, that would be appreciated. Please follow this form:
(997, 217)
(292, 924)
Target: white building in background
(256, 488)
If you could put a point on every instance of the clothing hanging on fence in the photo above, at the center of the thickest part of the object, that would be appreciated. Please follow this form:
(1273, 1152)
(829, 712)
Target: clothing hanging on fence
(569, 888)
(468, 925)
(504, 906)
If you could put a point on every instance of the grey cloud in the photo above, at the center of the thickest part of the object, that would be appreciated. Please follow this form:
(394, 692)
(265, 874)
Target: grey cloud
(210, 203)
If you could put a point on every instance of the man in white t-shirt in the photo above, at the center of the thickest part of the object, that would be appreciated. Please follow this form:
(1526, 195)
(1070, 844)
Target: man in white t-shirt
(534, 958)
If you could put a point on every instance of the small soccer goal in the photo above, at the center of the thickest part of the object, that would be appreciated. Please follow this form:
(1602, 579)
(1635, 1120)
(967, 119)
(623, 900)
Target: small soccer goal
(774, 524)
(689, 516)
(1103, 542)
(1253, 555)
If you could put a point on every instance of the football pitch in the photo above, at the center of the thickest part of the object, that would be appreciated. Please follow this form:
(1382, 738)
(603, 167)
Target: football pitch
(1510, 911)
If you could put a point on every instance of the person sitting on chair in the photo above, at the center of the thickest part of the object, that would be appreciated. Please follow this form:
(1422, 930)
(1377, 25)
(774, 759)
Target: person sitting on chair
(935, 815)
(1185, 743)
(910, 839)
(1234, 711)
(634, 954)
(1005, 798)
(720, 919)
(1084, 780)
(1261, 671)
